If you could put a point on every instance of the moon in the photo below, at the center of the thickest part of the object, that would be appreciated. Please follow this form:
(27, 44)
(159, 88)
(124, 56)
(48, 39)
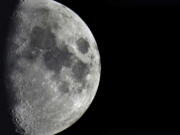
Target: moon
(52, 67)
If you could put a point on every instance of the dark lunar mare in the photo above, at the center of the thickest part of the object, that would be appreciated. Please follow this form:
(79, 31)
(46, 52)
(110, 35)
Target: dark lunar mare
(83, 45)
(40, 39)
(56, 57)
(80, 70)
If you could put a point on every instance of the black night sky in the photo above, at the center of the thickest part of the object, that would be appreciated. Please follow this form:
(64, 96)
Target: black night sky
(139, 89)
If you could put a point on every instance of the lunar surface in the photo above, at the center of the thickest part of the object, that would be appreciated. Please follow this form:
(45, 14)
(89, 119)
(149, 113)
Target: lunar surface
(52, 67)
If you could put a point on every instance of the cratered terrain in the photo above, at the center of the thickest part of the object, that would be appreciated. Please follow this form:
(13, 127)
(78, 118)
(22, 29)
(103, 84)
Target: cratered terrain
(52, 67)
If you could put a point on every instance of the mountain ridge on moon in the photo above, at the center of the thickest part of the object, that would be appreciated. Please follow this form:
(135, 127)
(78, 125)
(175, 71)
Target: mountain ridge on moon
(53, 66)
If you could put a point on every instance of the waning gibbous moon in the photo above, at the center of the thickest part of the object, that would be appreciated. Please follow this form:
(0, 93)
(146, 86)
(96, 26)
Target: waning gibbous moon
(52, 67)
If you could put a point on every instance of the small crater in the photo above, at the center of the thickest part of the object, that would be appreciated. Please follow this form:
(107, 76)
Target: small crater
(83, 45)
(80, 70)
